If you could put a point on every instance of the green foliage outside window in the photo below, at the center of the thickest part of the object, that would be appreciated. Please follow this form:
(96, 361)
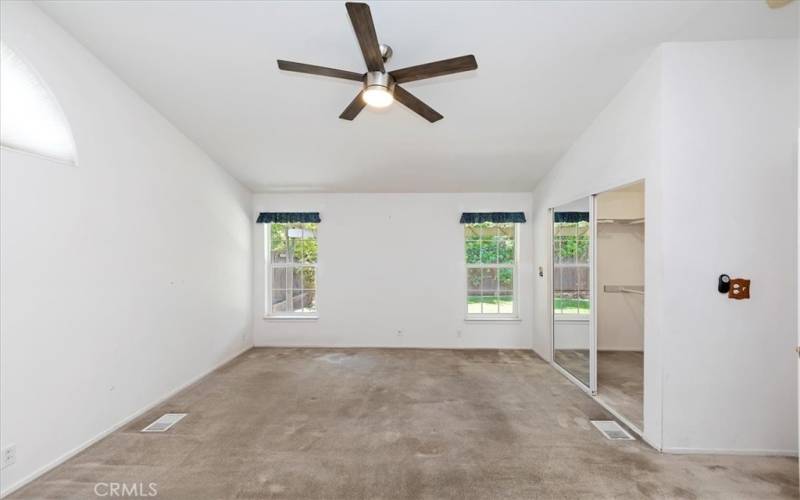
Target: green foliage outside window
(572, 241)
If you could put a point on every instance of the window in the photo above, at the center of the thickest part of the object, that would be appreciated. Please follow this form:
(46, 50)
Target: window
(491, 269)
(571, 268)
(292, 269)
(30, 118)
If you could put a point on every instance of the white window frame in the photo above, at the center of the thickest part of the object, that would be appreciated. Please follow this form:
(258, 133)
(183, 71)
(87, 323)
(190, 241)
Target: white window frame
(512, 316)
(268, 267)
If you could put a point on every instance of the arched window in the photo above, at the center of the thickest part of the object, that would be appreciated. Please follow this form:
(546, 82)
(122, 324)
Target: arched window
(30, 118)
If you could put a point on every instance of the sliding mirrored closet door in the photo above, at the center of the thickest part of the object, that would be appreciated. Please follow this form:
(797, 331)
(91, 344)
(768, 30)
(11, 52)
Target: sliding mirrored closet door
(572, 282)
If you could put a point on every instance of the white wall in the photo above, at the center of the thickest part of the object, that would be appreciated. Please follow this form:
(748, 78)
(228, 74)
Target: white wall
(711, 127)
(729, 156)
(620, 261)
(389, 263)
(124, 277)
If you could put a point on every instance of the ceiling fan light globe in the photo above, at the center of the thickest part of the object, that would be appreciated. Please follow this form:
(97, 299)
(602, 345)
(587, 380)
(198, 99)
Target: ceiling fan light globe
(378, 96)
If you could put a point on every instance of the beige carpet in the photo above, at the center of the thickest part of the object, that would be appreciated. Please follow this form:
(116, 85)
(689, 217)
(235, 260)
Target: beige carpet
(396, 423)
(620, 383)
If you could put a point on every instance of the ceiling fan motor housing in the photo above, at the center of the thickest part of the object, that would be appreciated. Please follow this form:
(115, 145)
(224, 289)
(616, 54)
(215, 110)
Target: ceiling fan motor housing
(379, 79)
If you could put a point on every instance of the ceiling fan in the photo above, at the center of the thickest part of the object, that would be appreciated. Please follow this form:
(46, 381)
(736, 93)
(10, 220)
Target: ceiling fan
(379, 87)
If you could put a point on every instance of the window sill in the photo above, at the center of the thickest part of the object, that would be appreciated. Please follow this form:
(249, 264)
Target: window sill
(477, 319)
(572, 318)
(271, 317)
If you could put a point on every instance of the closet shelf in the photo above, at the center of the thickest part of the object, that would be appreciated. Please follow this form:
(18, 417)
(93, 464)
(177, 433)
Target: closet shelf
(621, 221)
(636, 289)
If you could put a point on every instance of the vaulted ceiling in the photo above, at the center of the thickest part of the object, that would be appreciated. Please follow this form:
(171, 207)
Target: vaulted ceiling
(546, 69)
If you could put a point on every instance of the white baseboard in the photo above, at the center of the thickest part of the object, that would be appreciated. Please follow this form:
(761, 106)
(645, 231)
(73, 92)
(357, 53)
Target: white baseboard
(729, 451)
(367, 346)
(66, 456)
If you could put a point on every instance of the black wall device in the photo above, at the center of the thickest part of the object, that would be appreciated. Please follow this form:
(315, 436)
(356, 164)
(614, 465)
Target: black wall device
(724, 284)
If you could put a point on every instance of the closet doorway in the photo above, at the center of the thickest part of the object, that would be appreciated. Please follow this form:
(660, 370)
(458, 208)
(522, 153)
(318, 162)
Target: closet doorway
(597, 300)
(619, 253)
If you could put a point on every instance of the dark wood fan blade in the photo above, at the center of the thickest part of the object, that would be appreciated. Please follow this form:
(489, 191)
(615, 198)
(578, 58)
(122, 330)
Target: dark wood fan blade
(361, 18)
(319, 70)
(415, 105)
(438, 68)
(354, 108)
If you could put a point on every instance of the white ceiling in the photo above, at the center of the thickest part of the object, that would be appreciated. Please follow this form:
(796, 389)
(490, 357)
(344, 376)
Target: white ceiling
(545, 71)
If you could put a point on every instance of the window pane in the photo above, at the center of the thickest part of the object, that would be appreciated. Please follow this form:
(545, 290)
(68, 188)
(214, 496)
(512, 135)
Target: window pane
(278, 243)
(490, 230)
(310, 231)
(489, 280)
(506, 279)
(473, 251)
(557, 303)
(297, 301)
(582, 249)
(581, 278)
(310, 251)
(294, 242)
(297, 279)
(488, 250)
(474, 279)
(557, 278)
(506, 230)
(505, 251)
(490, 304)
(471, 232)
(567, 249)
(570, 303)
(279, 275)
(309, 278)
(474, 303)
(506, 303)
(278, 301)
(295, 249)
(309, 301)
(556, 250)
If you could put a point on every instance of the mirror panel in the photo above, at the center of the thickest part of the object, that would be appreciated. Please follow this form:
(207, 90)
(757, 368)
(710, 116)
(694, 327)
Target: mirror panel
(571, 288)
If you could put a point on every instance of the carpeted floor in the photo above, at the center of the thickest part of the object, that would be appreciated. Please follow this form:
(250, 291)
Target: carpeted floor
(397, 423)
(620, 378)
(575, 361)
(620, 383)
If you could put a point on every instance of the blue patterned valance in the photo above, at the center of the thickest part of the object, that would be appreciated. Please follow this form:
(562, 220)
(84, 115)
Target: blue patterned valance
(270, 217)
(499, 217)
(571, 217)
